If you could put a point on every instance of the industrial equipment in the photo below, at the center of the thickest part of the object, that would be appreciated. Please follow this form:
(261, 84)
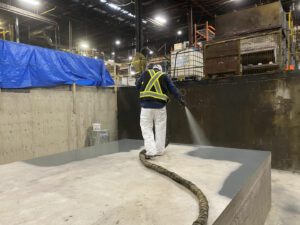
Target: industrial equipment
(255, 41)
(203, 32)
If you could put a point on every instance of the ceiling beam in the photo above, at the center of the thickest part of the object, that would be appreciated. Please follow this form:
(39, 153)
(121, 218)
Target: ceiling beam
(197, 4)
(25, 13)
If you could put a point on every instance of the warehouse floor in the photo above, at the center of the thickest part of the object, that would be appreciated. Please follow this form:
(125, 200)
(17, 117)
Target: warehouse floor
(117, 189)
(77, 189)
(285, 198)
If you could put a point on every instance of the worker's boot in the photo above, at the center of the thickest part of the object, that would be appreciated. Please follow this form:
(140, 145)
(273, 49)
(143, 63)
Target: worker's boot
(160, 153)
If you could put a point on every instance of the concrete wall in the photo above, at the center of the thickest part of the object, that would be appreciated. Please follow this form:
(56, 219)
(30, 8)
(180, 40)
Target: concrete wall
(261, 112)
(38, 122)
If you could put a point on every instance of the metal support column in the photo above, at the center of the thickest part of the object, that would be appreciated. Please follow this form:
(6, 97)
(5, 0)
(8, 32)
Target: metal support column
(138, 26)
(70, 35)
(55, 37)
(17, 29)
(190, 23)
(11, 32)
(29, 36)
(58, 36)
(74, 97)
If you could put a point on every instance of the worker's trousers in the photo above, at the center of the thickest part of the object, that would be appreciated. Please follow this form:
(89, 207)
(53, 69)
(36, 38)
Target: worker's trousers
(154, 146)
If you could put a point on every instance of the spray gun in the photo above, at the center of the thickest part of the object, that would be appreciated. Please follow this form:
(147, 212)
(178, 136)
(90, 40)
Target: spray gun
(183, 94)
(182, 102)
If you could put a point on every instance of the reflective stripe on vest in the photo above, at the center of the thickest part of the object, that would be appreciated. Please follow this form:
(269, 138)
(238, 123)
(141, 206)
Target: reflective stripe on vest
(154, 82)
(151, 94)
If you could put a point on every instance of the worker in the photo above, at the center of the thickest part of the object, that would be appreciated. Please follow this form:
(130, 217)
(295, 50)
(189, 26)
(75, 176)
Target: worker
(154, 87)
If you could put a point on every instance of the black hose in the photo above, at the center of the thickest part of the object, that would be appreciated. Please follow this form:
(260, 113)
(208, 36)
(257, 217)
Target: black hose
(202, 201)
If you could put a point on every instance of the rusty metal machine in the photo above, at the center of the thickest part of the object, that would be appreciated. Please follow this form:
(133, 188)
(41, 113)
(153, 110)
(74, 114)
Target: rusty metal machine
(249, 41)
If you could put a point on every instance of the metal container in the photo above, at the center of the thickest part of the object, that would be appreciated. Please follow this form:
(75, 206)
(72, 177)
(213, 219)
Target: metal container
(263, 53)
(252, 54)
(256, 19)
(222, 66)
(222, 49)
(222, 58)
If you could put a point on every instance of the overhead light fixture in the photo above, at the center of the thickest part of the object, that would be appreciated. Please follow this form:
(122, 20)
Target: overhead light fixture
(114, 6)
(160, 20)
(179, 32)
(117, 42)
(84, 45)
(151, 52)
(130, 58)
(31, 2)
(118, 8)
(113, 53)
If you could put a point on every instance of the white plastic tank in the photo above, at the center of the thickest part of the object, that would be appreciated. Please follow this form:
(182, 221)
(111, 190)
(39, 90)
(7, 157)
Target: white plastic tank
(187, 63)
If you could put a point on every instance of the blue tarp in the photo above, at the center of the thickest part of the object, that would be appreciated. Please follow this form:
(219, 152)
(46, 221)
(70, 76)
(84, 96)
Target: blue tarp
(25, 66)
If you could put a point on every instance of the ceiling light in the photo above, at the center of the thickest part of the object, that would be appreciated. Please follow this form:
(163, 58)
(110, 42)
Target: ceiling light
(118, 8)
(160, 19)
(179, 32)
(84, 45)
(118, 42)
(151, 52)
(114, 6)
(128, 14)
(130, 58)
(113, 53)
(31, 2)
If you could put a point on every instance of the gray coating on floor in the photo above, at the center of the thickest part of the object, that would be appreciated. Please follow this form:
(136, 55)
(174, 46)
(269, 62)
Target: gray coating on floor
(107, 185)
(125, 145)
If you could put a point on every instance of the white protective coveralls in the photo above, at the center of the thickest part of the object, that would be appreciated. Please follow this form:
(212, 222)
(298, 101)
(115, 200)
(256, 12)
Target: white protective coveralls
(155, 145)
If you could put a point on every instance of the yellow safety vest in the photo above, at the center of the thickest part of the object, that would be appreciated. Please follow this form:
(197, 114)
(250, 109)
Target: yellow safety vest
(154, 82)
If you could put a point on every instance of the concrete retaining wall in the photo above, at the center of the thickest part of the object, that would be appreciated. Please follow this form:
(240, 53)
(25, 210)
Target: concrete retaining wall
(259, 112)
(38, 122)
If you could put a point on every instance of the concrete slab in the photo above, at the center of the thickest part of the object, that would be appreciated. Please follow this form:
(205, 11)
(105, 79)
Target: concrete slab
(107, 185)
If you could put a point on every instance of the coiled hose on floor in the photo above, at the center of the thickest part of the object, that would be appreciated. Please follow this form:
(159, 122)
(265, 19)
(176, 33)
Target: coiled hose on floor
(202, 201)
